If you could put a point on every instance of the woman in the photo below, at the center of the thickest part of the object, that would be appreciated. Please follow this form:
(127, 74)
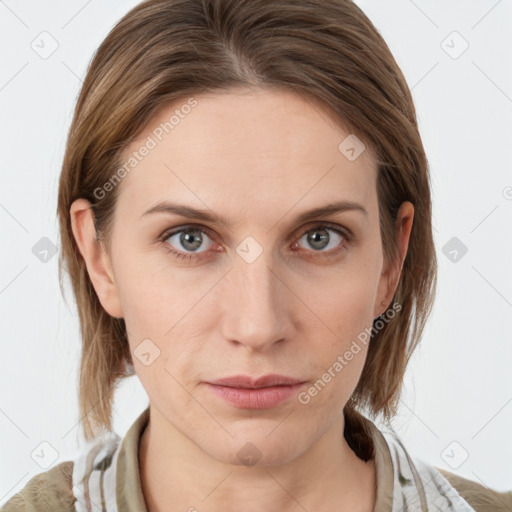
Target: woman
(245, 218)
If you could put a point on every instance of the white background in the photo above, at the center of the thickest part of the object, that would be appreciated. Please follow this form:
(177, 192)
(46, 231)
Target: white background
(459, 384)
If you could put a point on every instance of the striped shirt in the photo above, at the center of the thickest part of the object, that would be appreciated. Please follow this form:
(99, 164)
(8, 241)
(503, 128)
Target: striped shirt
(105, 478)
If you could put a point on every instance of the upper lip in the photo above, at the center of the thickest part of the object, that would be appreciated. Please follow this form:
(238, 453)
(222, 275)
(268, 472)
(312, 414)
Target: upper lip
(246, 381)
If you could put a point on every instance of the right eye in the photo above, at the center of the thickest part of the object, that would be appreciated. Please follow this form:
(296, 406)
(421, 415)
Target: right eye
(188, 238)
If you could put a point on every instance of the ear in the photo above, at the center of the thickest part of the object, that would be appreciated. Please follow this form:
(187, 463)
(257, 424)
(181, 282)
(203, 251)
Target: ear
(391, 275)
(96, 258)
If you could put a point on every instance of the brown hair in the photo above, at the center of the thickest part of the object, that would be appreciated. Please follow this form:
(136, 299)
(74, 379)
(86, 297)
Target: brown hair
(163, 51)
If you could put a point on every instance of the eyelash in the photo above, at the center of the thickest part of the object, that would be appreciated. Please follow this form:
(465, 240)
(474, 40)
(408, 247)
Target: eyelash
(323, 225)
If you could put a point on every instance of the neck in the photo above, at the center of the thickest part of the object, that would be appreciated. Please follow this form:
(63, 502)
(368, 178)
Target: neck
(327, 476)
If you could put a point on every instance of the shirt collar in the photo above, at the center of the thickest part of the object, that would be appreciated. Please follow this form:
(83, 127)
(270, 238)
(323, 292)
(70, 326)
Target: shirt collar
(128, 485)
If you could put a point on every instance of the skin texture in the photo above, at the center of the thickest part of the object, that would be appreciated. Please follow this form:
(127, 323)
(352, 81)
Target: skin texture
(259, 158)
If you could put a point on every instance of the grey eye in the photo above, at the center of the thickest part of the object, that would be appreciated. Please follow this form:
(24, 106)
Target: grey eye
(320, 238)
(189, 239)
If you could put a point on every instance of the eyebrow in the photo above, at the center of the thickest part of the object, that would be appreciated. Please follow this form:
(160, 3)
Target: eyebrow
(208, 216)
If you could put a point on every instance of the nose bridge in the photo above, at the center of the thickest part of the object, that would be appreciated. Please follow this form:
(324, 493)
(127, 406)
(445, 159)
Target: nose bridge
(253, 311)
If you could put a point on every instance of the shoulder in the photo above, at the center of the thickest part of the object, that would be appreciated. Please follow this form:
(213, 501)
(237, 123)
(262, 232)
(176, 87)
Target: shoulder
(92, 476)
(413, 480)
(48, 491)
(481, 498)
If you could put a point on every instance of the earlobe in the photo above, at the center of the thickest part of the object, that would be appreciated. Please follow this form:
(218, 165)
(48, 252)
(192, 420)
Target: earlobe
(95, 256)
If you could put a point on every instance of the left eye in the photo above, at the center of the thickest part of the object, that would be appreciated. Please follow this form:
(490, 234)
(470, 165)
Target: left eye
(320, 238)
(190, 239)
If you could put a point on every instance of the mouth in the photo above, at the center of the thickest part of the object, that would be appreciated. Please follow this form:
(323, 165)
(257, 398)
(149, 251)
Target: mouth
(245, 392)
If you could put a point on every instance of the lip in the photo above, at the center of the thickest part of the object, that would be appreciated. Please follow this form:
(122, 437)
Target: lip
(246, 381)
(245, 392)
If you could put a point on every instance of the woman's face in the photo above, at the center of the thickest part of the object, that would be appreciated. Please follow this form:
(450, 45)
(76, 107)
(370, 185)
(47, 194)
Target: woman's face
(262, 291)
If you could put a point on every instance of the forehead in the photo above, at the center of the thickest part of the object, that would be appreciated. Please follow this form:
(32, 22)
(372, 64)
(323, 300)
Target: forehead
(243, 147)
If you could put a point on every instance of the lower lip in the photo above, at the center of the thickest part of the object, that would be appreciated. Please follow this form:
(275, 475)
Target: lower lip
(262, 398)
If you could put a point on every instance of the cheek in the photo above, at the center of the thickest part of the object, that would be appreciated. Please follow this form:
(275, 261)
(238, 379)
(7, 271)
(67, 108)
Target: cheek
(344, 301)
(159, 308)
(339, 341)
(152, 297)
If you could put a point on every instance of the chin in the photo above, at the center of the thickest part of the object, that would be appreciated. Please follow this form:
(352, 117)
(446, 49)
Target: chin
(253, 451)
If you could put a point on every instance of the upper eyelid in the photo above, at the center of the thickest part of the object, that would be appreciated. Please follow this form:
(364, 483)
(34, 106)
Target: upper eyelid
(174, 231)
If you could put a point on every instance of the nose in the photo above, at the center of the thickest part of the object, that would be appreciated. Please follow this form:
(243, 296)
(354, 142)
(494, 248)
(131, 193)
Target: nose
(256, 304)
